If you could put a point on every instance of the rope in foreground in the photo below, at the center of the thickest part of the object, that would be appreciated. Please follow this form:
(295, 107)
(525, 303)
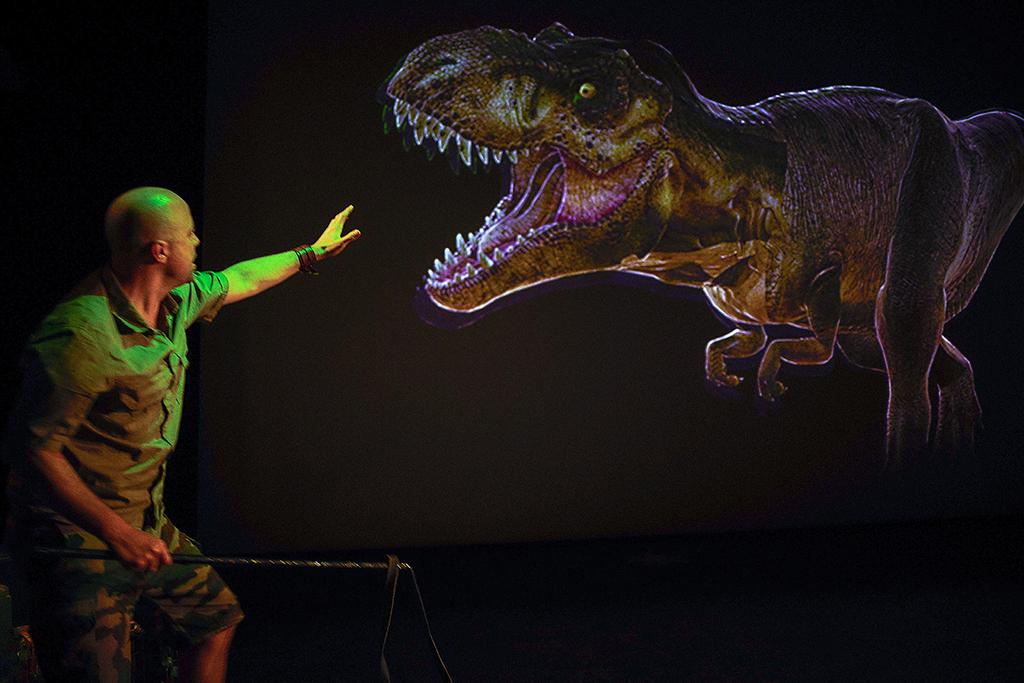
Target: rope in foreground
(393, 567)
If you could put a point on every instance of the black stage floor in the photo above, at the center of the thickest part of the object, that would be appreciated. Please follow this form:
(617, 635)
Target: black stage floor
(935, 601)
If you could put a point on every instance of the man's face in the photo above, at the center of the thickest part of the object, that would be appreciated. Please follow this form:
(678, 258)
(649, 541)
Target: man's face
(181, 261)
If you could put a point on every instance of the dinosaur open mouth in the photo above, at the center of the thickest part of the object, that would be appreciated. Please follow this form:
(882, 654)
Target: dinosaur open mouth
(550, 192)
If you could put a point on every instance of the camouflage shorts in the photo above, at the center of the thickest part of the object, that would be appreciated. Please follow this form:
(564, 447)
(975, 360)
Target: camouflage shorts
(82, 609)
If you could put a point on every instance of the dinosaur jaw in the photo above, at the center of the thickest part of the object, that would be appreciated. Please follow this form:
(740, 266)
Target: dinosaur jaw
(556, 219)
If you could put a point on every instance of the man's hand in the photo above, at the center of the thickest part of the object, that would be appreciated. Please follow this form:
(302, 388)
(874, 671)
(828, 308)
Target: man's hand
(138, 550)
(331, 242)
(257, 275)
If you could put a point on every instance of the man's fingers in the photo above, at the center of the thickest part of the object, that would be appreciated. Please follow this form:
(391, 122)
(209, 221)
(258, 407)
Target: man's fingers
(352, 236)
(343, 216)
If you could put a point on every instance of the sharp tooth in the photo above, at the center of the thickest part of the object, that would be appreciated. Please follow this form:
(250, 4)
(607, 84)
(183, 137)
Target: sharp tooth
(433, 126)
(399, 117)
(414, 117)
(470, 270)
(484, 259)
(498, 254)
(519, 240)
(460, 244)
(443, 137)
(401, 107)
(482, 153)
(531, 232)
(512, 156)
(465, 149)
(449, 257)
(421, 128)
(496, 153)
(437, 265)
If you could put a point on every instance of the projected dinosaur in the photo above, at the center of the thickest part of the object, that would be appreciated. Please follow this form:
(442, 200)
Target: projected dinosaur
(862, 216)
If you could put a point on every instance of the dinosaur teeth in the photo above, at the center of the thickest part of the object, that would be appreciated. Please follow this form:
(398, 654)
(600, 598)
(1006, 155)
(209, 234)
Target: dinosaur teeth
(443, 136)
(449, 257)
(460, 244)
(437, 265)
(470, 270)
(512, 156)
(414, 118)
(401, 109)
(497, 155)
(482, 153)
(465, 149)
(421, 128)
(485, 259)
(519, 240)
(433, 127)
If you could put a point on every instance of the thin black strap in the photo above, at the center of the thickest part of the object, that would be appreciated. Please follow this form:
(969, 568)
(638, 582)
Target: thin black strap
(426, 622)
(391, 590)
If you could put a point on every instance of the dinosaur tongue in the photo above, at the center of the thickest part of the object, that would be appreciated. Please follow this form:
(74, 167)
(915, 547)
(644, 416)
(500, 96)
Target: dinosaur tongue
(536, 207)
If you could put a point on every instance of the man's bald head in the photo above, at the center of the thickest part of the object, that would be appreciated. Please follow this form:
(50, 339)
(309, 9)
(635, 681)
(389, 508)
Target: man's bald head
(142, 216)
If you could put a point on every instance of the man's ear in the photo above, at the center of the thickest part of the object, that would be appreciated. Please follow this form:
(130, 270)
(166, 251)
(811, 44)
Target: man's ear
(158, 251)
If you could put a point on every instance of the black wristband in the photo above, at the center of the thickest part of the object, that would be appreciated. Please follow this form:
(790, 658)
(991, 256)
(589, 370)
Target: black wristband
(307, 257)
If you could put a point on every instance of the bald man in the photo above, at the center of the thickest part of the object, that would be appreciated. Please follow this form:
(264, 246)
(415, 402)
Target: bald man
(97, 418)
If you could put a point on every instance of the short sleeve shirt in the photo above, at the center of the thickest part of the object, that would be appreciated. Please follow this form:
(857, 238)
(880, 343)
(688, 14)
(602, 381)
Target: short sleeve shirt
(105, 389)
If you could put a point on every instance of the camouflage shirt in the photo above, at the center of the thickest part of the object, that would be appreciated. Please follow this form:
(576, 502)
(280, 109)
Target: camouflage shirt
(105, 389)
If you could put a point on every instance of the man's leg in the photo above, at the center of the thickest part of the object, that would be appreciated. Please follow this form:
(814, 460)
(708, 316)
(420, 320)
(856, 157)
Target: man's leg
(201, 608)
(80, 616)
(207, 662)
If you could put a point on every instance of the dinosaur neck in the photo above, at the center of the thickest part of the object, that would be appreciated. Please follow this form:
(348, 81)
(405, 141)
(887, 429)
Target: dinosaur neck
(723, 187)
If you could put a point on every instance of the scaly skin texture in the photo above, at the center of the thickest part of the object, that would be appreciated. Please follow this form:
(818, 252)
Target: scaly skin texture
(860, 215)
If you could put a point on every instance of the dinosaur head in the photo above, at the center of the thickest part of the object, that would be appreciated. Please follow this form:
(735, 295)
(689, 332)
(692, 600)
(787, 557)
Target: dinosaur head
(582, 130)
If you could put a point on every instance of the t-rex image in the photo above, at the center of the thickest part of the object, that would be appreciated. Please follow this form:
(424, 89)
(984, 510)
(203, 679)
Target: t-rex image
(862, 216)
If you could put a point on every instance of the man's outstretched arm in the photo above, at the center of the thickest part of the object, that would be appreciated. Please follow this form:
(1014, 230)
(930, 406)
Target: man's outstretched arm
(248, 278)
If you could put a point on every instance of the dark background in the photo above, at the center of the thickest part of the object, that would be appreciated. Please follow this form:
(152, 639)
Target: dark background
(333, 417)
(98, 101)
(581, 413)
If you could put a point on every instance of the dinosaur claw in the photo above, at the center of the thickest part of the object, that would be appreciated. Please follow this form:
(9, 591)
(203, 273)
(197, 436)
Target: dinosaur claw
(771, 390)
(727, 381)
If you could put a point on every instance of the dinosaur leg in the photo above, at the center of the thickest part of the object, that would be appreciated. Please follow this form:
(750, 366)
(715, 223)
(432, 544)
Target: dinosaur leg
(910, 310)
(861, 348)
(959, 410)
(822, 309)
(739, 343)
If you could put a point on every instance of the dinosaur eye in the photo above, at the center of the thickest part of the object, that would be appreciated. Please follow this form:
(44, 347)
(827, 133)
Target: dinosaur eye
(587, 91)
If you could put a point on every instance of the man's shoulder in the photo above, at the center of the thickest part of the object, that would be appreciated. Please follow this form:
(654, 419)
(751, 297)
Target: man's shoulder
(202, 296)
(202, 280)
(82, 316)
